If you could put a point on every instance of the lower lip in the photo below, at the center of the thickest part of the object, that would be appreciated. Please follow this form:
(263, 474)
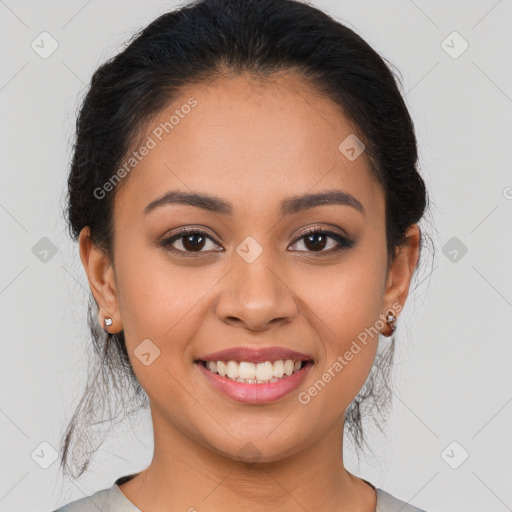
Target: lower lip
(256, 393)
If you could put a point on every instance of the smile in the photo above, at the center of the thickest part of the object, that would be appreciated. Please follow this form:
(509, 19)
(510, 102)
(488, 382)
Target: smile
(255, 383)
(254, 373)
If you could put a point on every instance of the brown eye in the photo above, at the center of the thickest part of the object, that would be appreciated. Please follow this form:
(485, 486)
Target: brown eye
(191, 241)
(316, 240)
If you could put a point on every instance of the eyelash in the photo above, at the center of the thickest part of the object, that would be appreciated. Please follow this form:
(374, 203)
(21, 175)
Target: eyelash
(343, 243)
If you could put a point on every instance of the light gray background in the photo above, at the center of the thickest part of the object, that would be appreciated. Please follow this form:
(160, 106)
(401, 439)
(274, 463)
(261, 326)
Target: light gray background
(452, 379)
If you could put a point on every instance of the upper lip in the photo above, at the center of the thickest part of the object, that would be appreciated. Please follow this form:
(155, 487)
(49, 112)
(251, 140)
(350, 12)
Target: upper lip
(255, 355)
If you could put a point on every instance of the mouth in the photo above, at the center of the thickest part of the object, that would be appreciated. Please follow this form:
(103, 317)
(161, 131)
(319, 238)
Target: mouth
(247, 372)
(255, 376)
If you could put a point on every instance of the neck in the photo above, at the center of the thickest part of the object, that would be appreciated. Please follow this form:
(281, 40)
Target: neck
(185, 475)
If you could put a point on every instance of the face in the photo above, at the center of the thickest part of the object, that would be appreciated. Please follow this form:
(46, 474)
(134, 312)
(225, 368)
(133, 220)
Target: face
(260, 268)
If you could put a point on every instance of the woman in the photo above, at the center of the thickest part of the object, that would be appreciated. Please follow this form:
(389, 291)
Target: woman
(246, 200)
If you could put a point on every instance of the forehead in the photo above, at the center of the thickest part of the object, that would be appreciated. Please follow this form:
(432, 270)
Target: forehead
(251, 141)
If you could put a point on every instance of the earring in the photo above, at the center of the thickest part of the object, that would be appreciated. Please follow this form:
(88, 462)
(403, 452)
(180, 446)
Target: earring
(108, 321)
(391, 321)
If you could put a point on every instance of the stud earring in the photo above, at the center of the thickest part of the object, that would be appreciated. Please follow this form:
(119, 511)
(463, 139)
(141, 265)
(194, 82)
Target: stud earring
(391, 321)
(107, 321)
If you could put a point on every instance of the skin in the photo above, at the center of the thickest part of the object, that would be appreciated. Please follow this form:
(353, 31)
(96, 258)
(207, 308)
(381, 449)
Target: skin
(253, 144)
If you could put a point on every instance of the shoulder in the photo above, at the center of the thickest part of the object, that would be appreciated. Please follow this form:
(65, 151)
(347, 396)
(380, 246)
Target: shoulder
(388, 503)
(106, 500)
(100, 500)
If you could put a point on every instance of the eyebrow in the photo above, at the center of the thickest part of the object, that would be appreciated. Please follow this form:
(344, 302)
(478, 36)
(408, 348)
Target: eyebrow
(288, 206)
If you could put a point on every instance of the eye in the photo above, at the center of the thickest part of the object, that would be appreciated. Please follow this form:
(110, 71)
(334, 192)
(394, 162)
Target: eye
(316, 239)
(190, 240)
(193, 240)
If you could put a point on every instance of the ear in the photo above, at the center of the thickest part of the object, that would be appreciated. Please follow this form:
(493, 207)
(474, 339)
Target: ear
(100, 274)
(401, 271)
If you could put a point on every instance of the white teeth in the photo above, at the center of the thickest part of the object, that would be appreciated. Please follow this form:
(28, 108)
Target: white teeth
(288, 367)
(264, 371)
(232, 372)
(252, 373)
(246, 370)
(222, 368)
(278, 369)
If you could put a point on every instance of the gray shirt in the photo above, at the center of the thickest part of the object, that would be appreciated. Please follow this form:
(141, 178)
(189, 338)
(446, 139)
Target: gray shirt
(113, 500)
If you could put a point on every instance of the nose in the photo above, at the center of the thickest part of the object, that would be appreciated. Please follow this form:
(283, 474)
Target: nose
(256, 296)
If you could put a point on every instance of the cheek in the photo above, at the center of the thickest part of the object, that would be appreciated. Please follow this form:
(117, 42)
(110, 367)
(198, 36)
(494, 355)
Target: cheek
(346, 303)
(162, 310)
(347, 298)
(160, 301)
